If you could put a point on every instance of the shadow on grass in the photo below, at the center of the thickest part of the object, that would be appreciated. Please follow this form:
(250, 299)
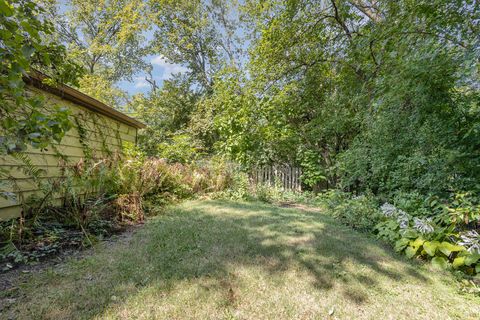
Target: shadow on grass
(205, 239)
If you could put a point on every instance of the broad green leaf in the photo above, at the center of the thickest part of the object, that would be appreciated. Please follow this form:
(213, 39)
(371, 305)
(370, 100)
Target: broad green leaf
(410, 251)
(440, 263)
(417, 243)
(5, 8)
(431, 247)
(472, 258)
(401, 244)
(412, 234)
(447, 248)
(28, 50)
(458, 262)
(477, 268)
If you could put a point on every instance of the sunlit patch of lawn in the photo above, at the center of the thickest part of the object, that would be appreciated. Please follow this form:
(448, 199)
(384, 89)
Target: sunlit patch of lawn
(235, 260)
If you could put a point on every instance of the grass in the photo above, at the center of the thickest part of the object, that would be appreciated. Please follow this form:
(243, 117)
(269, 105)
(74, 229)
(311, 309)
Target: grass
(235, 260)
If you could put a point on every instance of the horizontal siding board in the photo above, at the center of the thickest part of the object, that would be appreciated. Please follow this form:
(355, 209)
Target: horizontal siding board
(46, 171)
(15, 210)
(89, 124)
(10, 212)
(102, 134)
(96, 137)
(6, 203)
(77, 110)
(73, 151)
(38, 159)
(26, 184)
(72, 140)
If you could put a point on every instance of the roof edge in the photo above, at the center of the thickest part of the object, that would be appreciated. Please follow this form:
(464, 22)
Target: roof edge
(36, 78)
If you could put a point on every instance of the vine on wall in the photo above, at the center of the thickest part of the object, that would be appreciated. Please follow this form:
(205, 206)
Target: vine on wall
(100, 132)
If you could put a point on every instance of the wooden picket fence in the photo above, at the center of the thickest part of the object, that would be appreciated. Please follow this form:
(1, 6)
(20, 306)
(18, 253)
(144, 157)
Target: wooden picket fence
(284, 176)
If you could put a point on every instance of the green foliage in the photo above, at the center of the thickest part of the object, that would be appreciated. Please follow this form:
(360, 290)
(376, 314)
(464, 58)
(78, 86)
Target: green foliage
(384, 99)
(167, 113)
(444, 254)
(100, 196)
(359, 212)
(464, 209)
(23, 120)
(239, 189)
(264, 193)
(106, 37)
(389, 230)
(201, 35)
(180, 148)
(442, 239)
(312, 171)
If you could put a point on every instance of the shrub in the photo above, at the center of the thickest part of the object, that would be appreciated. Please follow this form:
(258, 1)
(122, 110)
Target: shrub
(331, 198)
(436, 238)
(100, 196)
(360, 213)
(239, 189)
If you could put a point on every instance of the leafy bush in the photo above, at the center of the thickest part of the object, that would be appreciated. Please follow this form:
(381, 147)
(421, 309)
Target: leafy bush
(239, 189)
(438, 238)
(360, 213)
(264, 193)
(313, 174)
(331, 198)
(443, 232)
(100, 196)
(180, 148)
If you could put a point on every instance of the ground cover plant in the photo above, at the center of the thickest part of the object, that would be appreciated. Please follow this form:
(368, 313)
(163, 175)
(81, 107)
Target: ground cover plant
(249, 260)
(377, 102)
(102, 197)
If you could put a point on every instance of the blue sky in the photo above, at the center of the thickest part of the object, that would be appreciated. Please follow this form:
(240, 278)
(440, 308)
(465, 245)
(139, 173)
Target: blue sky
(162, 70)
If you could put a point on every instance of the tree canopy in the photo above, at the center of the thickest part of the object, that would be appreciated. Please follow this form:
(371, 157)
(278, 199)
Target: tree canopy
(362, 94)
(24, 46)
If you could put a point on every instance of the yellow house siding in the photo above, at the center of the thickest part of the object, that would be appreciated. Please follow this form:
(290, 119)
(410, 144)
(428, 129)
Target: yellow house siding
(103, 135)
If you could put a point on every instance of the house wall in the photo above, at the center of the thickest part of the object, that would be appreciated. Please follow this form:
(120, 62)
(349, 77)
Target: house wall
(92, 133)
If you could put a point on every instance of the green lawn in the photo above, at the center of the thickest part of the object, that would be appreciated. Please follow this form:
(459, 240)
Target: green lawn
(235, 260)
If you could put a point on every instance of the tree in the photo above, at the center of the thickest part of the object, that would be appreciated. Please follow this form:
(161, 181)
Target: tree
(205, 37)
(348, 78)
(167, 113)
(200, 34)
(24, 121)
(107, 38)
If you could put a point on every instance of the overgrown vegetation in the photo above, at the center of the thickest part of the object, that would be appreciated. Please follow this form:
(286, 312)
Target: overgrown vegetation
(377, 101)
(23, 121)
(98, 197)
(446, 236)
